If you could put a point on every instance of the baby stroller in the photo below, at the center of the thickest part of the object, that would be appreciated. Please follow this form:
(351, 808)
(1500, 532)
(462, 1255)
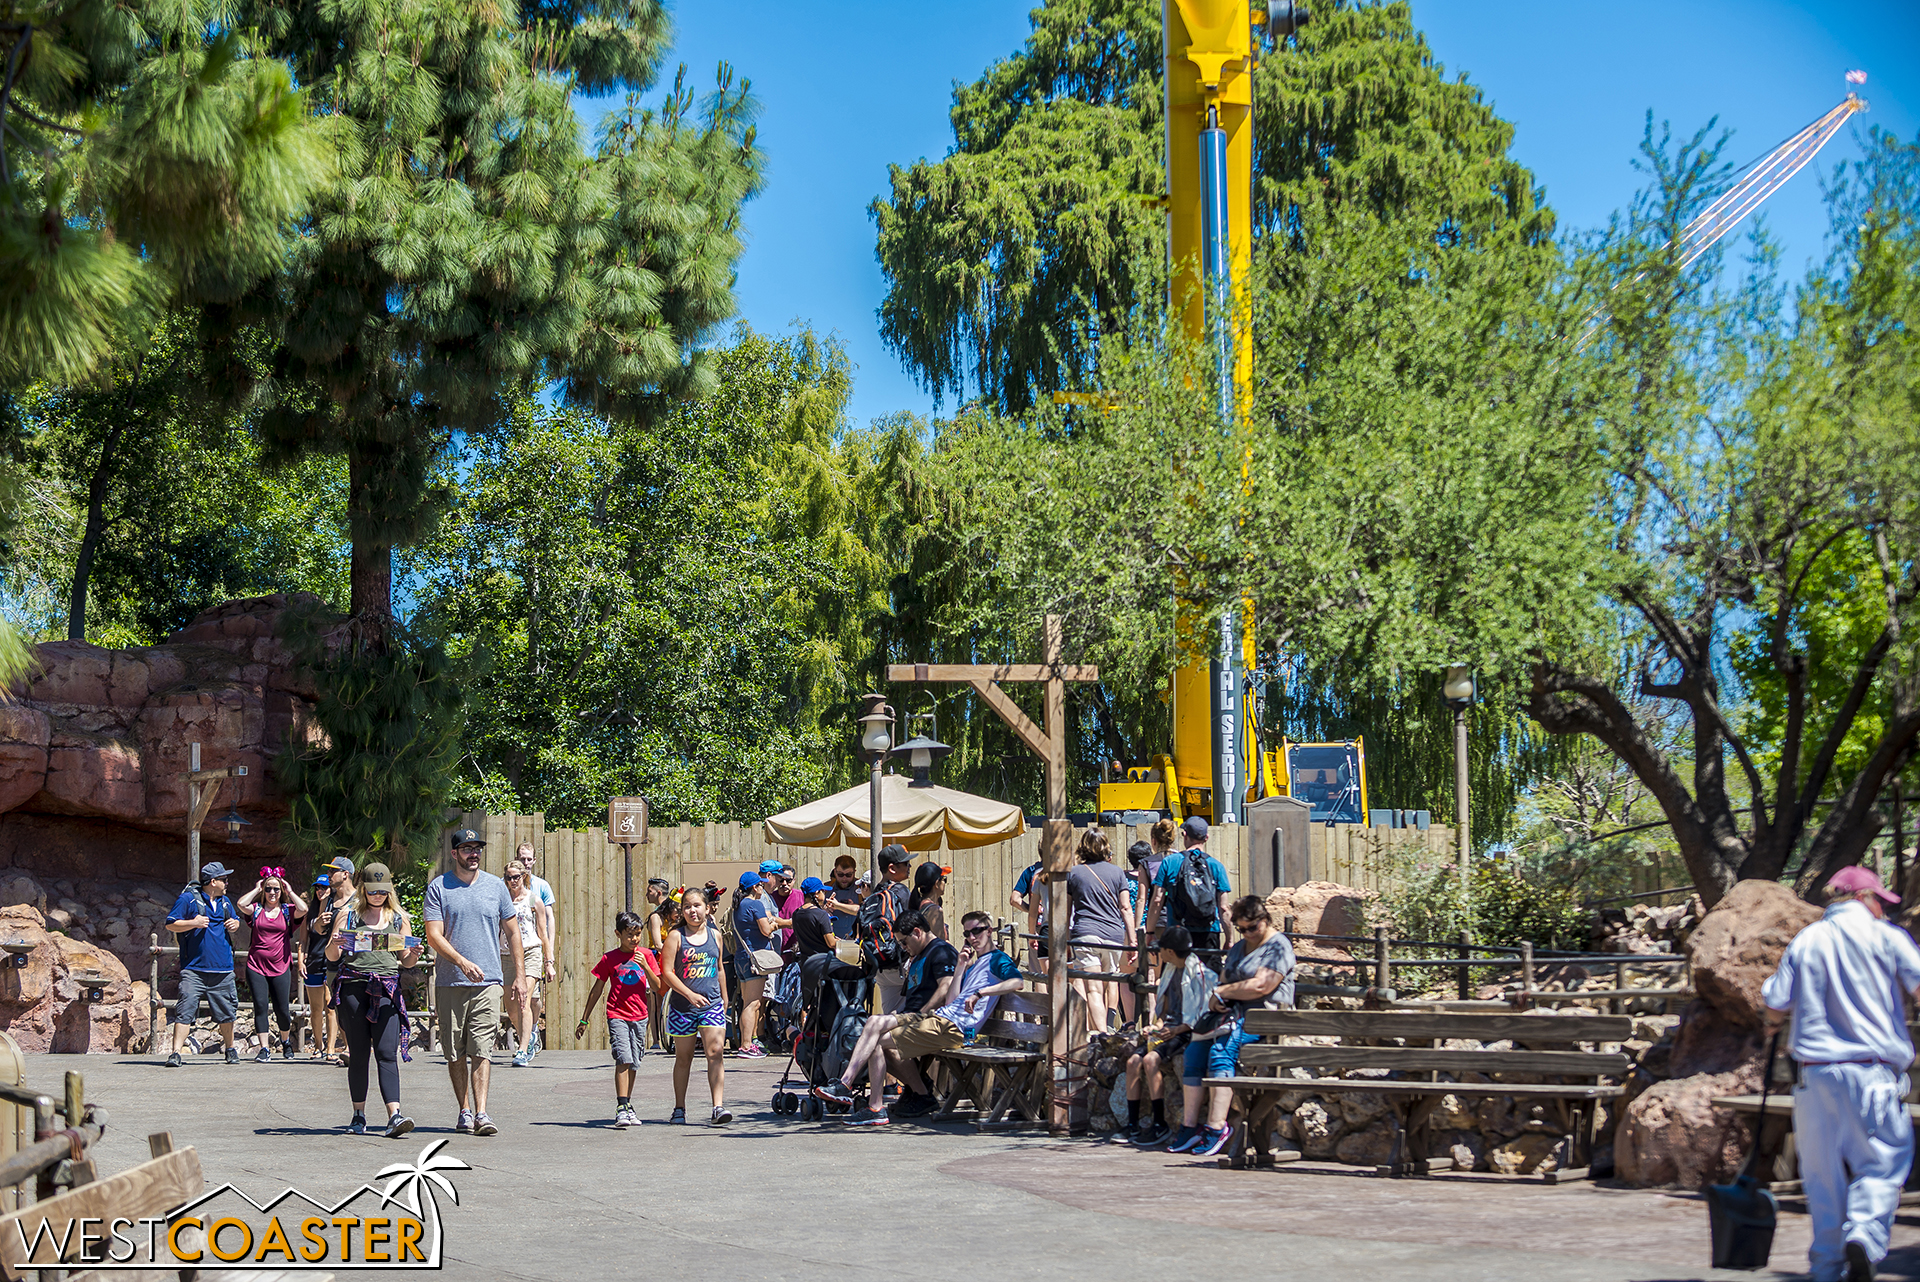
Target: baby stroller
(834, 998)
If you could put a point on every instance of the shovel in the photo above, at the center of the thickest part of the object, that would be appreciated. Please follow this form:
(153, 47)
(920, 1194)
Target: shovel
(1742, 1215)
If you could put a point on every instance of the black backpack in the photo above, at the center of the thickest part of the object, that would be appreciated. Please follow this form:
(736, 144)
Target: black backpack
(877, 914)
(1192, 900)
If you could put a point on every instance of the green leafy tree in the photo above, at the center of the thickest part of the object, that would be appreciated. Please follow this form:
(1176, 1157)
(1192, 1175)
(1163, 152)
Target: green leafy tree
(1394, 236)
(675, 608)
(471, 245)
(171, 509)
(1761, 457)
(471, 250)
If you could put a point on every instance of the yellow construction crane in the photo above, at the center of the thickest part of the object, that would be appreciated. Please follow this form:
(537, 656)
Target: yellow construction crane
(1217, 764)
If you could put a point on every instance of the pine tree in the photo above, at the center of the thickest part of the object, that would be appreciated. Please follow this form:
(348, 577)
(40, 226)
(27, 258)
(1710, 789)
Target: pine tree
(150, 154)
(471, 247)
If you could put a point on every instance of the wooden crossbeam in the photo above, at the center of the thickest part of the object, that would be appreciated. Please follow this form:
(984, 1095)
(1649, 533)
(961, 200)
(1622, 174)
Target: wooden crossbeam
(992, 672)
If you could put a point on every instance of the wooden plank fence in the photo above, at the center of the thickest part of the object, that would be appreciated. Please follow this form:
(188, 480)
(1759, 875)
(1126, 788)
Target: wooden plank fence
(586, 872)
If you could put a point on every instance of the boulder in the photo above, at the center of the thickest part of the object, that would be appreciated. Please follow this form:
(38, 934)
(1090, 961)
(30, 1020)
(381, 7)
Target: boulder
(1531, 1154)
(1739, 944)
(22, 889)
(1322, 908)
(1672, 1135)
(1314, 1128)
(44, 1004)
(1373, 1146)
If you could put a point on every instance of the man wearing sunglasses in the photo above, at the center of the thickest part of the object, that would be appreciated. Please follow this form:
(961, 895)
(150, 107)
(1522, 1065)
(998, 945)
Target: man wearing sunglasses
(891, 1043)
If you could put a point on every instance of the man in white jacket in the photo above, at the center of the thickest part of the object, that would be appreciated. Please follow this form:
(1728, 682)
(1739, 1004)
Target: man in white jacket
(1843, 980)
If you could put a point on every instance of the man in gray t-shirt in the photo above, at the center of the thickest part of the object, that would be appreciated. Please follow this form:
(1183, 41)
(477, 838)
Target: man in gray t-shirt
(474, 932)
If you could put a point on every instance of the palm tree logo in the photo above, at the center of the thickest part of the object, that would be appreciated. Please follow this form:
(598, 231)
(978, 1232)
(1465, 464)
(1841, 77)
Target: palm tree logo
(410, 1180)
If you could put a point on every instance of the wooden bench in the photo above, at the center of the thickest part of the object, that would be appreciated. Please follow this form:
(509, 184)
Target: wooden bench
(1004, 1069)
(1417, 1067)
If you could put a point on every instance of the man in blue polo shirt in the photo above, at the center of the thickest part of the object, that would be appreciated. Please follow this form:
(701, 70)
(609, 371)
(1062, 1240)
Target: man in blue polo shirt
(203, 922)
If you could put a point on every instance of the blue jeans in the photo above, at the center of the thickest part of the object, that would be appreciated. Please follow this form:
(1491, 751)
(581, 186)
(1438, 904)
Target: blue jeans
(1218, 1057)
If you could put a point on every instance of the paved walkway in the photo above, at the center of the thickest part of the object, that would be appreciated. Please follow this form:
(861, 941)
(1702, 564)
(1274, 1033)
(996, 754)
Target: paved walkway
(557, 1194)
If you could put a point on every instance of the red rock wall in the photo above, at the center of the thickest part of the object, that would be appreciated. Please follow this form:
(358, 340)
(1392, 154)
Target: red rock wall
(93, 750)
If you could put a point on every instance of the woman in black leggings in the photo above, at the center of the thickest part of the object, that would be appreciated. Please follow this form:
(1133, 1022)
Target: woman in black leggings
(270, 955)
(370, 943)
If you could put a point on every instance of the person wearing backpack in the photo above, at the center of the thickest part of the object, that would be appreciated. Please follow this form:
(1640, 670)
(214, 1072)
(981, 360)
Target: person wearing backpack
(1191, 890)
(878, 912)
(203, 921)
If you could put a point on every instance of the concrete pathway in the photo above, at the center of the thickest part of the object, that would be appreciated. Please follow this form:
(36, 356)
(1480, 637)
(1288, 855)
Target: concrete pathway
(559, 1195)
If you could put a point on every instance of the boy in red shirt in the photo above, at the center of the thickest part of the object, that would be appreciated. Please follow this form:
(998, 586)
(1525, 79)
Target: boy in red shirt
(634, 974)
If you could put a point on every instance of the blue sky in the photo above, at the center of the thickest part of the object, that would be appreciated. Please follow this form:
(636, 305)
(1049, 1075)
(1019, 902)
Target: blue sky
(849, 86)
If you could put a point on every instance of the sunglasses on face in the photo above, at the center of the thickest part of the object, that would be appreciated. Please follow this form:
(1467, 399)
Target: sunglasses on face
(1243, 926)
(976, 930)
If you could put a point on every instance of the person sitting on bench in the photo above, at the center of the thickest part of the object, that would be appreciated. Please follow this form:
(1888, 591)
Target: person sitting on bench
(1257, 973)
(1165, 1045)
(892, 1043)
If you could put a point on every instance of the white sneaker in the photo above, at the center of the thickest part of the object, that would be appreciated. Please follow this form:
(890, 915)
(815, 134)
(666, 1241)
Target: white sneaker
(721, 1116)
(622, 1118)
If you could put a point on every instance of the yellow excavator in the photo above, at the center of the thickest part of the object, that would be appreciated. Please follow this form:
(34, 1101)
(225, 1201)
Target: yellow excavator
(1217, 764)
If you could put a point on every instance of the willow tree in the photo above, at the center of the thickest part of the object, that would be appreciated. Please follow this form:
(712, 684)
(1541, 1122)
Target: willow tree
(1031, 259)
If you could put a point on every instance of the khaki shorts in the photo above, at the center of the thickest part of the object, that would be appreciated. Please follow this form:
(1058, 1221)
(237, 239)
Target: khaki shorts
(922, 1034)
(1087, 955)
(469, 1020)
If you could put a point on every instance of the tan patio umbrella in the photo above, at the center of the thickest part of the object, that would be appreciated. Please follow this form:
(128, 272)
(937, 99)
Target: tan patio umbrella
(916, 816)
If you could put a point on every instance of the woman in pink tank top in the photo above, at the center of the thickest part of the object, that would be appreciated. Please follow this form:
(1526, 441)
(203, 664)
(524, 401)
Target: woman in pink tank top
(273, 909)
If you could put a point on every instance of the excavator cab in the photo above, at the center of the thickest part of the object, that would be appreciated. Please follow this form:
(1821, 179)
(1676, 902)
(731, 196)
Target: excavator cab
(1330, 777)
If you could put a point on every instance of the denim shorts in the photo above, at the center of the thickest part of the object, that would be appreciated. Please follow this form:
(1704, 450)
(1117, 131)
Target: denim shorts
(628, 1037)
(686, 1023)
(1219, 1057)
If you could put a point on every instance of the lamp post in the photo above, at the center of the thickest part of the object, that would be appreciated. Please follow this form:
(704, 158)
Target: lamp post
(1458, 691)
(876, 741)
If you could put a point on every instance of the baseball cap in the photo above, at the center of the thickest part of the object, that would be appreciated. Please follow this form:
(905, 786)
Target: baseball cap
(343, 863)
(1195, 827)
(1855, 879)
(895, 853)
(748, 880)
(465, 837)
(812, 886)
(217, 871)
(768, 867)
(376, 877)
(325, 878)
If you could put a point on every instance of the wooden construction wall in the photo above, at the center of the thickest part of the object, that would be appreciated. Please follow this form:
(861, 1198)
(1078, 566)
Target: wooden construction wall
(587, 875)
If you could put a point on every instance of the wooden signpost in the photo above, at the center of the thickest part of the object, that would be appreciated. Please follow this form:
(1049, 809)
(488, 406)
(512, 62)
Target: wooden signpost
(200, 802)
(627, 828)
(1056, 842)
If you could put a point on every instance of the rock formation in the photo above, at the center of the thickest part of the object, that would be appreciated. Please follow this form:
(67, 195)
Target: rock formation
(1670, 1132)
(47, 1005)
(1322, 908)
(95, 744)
